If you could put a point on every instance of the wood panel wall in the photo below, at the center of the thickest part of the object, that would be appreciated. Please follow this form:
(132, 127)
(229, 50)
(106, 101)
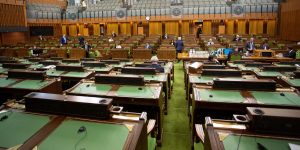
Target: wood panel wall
(185, 27)
(12, 15)
(112, 27)
(73, 30)
(207, 27)
(13, 37)
(229, 27)
(155, 28)
(96, 29)
(125, 28)
(172, 27)
(241, 27)
(289, 20)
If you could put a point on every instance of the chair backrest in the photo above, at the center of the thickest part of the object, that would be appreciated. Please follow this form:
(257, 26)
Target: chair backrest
(142, 54)
(166, 54)
(119, 53)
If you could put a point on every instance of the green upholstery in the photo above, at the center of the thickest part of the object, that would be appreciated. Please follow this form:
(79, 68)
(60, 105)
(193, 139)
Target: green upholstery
(97, 136)
(92, 54)
(5, 82)
(19, 127)
(30, 84)
(234, 142)
(221, 96)
(276, 98)
(151, 143)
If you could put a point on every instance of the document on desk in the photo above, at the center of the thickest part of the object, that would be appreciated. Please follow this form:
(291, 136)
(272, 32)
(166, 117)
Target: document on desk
(294, 146)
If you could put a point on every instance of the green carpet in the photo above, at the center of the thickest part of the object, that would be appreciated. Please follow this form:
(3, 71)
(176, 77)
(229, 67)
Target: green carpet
(176, 132)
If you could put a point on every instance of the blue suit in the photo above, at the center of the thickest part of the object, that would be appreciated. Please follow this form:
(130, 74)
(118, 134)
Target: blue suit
(63, 40)
(179, 46)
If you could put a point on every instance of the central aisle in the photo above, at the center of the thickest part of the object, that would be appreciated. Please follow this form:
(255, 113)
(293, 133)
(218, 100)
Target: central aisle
(176, 132)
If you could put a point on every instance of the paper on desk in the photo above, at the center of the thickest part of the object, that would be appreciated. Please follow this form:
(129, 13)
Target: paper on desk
(294, 146)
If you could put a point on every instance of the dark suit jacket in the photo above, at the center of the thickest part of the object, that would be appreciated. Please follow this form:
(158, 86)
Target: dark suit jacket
(86, 49)
(179, 45)
(248, 46)
(81, 40)
(236, 39)
(291, 54)
(63, 41)
(265, 45)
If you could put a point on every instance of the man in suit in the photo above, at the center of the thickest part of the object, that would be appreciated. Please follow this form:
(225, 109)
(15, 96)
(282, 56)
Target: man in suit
(291, 53)
(113, 34)
(63, 40)
(237, 38)
(148, 46)
(179, 46)
(250, 46)
(87, 49)
(265, 46)
(80, 40)
(210, 42)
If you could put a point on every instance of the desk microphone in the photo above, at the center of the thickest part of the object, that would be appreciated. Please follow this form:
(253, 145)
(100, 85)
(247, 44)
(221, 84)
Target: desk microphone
(81, 129)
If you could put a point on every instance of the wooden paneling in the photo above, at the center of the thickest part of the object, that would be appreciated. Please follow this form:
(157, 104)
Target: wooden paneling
(135, 29)
(72, 30)
(260, 27)
(125, 28)
(12, 15)
(155, 28)
(81, 29)
(253, 27)
(271, 27)
(64, 29)
(185, 27)
(172, 27)
(241, 27)
(112, 27)
(289, 20)
(13, 37)
(230, 27)
(207, 27)
(96, 29)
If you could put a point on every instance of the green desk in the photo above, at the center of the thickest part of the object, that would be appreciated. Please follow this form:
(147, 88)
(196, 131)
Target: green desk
(227, 138)
(72, 64)
(274, 75)
(106, 136)
(69, 75)
(3, 70)
(19, 127)
(247, 69)
(222, 104)
(13, 88)
(134, 98)
(293, 82)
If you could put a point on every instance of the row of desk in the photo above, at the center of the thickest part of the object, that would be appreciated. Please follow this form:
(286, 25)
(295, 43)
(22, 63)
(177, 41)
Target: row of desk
(151, 95)
(219, 92)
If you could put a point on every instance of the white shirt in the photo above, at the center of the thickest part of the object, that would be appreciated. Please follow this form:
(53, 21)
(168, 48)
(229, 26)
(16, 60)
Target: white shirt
(210, 43)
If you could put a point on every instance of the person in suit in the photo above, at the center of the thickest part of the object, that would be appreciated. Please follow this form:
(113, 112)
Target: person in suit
(199, 31)
(237, 38)
(210, 42)
(154, 64)
(87, 48)
(63, 40)
(148, 46)
(179, 46)
(80, 40)
(291, 53)
(113, 34)
(265, 46)
(165, 36)
(250, 46)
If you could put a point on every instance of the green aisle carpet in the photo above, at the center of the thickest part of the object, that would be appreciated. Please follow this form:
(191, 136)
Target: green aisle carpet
(176, 133)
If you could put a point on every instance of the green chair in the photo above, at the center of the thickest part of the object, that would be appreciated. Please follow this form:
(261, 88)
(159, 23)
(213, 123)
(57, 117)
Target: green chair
(298, 54)
(92, 54)
(235, 57)
(151, 138)
(97, 53)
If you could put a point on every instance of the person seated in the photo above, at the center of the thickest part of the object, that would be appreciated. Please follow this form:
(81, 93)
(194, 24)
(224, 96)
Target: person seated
(113, 34)
(165, 36)
(118, 46)
(237, 38)
(148, 46)
(250, 46)
(210, 42)
(214, 59)
(172, 43)
(80, 39)
(63, 40)
(110, 40)
(291, 53)
(87, 48)
(154, 64)
(36, 51)
(265, 46)
(41, 38)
